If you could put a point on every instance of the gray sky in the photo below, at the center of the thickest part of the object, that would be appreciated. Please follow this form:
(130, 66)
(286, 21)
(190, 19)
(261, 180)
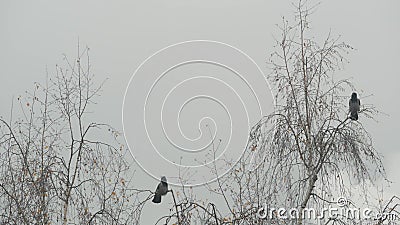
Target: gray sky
(35, 34)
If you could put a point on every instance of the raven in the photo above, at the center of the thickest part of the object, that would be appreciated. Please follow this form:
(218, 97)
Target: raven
(354, 106)
(162, 189)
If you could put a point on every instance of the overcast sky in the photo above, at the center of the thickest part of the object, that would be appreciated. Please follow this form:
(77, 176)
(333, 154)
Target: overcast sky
(35, 34)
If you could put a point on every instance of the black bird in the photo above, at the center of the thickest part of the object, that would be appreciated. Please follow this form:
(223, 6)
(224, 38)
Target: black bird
(162, 189)
(354, 106)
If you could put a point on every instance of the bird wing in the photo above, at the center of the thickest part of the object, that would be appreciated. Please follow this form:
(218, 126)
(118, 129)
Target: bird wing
(354, 106)
(158, 188)
(162, 188)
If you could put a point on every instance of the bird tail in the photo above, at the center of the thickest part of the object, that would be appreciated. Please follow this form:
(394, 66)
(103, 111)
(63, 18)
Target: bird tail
(354, 116)
(157, 198)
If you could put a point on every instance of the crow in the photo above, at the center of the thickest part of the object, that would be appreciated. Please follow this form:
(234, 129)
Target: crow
(354, 106)
(162, 189)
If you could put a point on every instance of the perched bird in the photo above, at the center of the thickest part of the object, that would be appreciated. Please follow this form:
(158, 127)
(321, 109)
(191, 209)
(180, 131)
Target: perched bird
(162, 189)
(354, 106)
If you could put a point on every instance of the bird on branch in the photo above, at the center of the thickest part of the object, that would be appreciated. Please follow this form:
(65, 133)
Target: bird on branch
(162, 189)
(354, 106)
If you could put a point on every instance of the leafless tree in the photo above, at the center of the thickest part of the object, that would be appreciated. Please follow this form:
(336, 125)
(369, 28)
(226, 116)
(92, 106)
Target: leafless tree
(309, 152)
(57, 165)
(315, 153)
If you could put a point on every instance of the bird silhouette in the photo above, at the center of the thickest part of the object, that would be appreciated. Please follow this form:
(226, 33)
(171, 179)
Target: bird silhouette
(161, 190)
(354, 106)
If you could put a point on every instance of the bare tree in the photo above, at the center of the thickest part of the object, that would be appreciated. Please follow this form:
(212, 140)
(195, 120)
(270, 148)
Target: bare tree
(309, 152)
(314, 151)
(59, 166)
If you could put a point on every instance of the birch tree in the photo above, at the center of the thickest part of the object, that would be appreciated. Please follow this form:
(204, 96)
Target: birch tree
(308, 152)
(58, 166)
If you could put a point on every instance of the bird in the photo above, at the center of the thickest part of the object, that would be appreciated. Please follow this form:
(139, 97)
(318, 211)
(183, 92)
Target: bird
(354, 106)
(162, 189)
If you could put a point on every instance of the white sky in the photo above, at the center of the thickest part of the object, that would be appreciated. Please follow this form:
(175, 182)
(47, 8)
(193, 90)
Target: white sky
(35, 34)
